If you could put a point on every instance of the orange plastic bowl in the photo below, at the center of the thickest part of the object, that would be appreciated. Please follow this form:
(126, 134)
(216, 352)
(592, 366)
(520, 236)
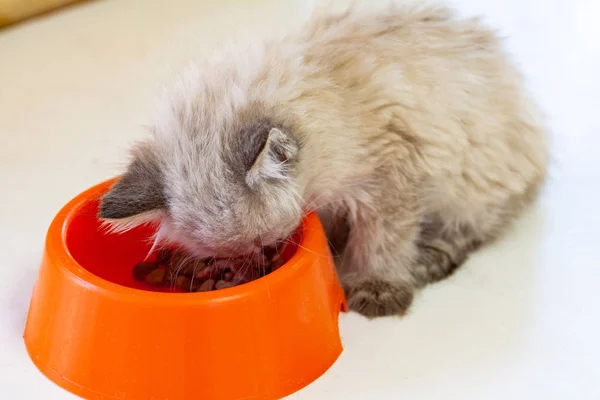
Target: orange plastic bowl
(93, 332)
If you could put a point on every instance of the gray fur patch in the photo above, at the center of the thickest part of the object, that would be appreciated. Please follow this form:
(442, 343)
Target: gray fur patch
(246, 145)
(139, 190)
(253, 137)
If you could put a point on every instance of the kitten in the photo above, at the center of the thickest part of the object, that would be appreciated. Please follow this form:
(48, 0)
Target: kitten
(407, 129)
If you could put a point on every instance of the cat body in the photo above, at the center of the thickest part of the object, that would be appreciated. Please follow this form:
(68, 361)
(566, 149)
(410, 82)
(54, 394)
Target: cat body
(407, 130)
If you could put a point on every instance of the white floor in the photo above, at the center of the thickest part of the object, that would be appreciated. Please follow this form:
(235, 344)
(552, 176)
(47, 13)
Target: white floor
(520, 320)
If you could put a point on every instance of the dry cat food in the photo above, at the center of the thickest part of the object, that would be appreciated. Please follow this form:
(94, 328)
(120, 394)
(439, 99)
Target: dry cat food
(176, 270)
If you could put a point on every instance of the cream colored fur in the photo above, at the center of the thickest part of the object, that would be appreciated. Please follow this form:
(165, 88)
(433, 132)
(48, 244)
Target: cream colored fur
(409, 119)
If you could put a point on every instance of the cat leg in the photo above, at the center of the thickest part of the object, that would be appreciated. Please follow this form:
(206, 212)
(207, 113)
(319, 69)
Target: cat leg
(442, 249)
(447, 239)
(375, 265)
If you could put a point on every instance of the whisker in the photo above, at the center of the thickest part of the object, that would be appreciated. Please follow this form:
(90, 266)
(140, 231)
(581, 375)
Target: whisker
(304, 248)
(313, 206)
(262, 249)
(156, 240)
(194, 275)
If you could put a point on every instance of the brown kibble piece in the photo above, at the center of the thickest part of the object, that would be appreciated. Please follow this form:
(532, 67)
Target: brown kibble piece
(206, 286)
(203, 274)
(184, 283)
(182, 264)
(164, 256)
(223, 285)
(156, 277)
(141, 270)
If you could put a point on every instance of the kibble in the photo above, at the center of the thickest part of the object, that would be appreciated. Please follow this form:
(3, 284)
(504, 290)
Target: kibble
(164, 256)
(156, 277)
(175, 269)
(184, 282)
(206, 286)
(223, 284)
(141, 270)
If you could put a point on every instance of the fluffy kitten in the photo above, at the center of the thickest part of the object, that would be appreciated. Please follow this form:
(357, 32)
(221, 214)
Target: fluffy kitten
(406, 128)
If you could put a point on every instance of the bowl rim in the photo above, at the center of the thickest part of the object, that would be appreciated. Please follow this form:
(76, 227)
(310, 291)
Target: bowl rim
(57, 251)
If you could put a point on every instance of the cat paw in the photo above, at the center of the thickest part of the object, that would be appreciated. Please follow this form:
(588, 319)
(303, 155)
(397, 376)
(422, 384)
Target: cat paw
(378, 298)
(433, 265)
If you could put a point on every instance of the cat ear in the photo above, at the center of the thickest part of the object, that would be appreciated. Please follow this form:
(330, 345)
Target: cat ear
(273, 161)
(137, 197)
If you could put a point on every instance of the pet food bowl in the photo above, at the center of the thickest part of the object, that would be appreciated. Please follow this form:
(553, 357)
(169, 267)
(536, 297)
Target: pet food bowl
(94, 332)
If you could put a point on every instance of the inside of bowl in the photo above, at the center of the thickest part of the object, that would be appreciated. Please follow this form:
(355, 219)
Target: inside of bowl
(112, 256)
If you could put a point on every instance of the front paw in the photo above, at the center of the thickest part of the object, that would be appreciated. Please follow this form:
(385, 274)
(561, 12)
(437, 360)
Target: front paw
(378, 298)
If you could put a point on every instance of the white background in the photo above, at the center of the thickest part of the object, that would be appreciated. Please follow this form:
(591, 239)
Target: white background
(519, 321)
